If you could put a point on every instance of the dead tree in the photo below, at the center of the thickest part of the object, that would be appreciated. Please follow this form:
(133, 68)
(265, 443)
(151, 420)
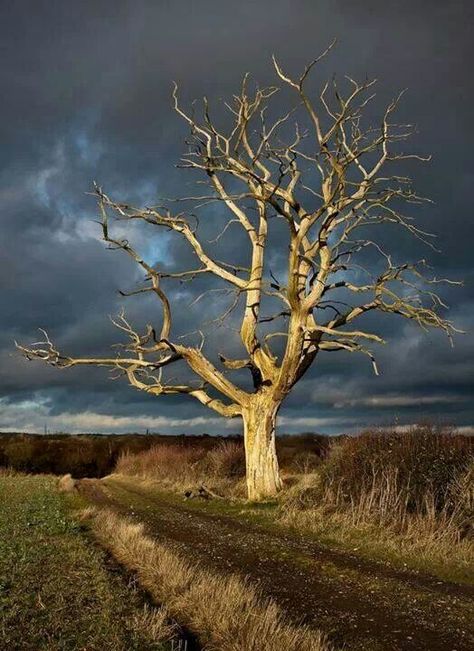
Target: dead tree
(330, 179)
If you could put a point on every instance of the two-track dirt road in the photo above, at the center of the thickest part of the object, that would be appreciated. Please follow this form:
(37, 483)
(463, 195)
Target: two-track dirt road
(362, 605)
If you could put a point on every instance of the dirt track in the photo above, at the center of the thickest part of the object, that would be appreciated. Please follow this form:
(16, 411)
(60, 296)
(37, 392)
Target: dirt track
(362, 605)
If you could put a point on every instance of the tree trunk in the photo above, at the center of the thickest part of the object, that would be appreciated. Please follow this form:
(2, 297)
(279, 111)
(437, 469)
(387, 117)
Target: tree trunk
(263, 476)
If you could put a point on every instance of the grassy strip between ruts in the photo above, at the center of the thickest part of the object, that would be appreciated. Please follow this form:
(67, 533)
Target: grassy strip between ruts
(225, 611)
(57, 589)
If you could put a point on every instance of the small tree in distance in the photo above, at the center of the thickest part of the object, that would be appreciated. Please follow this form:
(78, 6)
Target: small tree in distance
(329, 182)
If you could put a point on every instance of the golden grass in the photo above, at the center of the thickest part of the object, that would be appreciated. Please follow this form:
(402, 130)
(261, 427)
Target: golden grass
(66, 484)
(153, 625)
(180, 468)
(226, 612)
(380, 519)
(8, 472)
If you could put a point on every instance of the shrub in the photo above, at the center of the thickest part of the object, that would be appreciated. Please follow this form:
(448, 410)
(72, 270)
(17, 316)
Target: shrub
(81, 455)
(220, 468)
(301, 452)
(18, 454)
(376, 503)
(417, 462)
(227, 460)
(306, 462)
(163, 462)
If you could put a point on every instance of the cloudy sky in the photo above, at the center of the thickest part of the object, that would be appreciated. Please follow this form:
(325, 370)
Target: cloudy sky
(86, 96)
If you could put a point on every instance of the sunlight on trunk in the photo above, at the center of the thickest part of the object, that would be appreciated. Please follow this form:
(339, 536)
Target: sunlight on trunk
(263, 475)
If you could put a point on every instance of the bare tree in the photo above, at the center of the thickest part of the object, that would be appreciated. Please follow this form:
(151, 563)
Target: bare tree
(327, 182)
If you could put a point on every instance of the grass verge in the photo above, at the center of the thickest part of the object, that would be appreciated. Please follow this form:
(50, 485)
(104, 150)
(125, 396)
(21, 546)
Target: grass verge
(376, 523)
(225, 612)
(424, 544)
(57, 590)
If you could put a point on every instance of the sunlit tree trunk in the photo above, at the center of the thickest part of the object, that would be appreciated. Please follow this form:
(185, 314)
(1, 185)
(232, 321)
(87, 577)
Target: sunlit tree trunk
(263, 475)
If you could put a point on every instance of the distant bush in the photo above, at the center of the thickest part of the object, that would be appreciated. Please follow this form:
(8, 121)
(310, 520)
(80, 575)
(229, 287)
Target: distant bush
(80, 455)
(162, 462)
(185, 467)
(95, 455)
(18, 454)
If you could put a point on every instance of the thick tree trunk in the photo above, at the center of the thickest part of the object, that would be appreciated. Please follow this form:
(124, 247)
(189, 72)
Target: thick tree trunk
(263, 476)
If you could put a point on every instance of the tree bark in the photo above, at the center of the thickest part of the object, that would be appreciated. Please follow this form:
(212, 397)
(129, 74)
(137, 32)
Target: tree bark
(263, 475)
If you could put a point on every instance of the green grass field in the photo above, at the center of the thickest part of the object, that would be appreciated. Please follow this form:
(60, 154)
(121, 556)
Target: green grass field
(58, 590)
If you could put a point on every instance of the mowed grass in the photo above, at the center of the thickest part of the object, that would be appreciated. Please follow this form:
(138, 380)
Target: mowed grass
(58, 591)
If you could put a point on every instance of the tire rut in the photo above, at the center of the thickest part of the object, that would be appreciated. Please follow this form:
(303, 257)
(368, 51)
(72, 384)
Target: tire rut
(360, 604)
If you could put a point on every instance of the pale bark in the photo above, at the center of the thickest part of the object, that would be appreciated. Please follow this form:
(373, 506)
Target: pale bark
(262, 472)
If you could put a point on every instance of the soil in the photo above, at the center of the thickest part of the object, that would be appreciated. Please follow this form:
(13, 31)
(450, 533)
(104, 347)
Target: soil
(362, 605)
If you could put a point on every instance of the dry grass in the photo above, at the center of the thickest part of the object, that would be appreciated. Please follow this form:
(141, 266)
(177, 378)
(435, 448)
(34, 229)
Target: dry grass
(8, 472)
(153, 625)
(181, 468)
(381, 517)
(425, 459)
(406, 496)
(225, 612)
(227, 460)
(66, 484)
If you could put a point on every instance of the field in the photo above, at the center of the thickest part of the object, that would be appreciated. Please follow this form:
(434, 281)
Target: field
(58, 590)
(369, 547)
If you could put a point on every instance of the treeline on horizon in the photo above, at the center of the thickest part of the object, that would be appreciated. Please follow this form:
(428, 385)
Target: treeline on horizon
(96, 455)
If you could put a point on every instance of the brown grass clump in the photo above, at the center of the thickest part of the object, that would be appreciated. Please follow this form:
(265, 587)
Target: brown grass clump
(66, 484)
(225, 612)
(152, 625)
(181, 468)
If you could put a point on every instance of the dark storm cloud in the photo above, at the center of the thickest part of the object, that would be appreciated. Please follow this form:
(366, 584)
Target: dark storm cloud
(86, 95)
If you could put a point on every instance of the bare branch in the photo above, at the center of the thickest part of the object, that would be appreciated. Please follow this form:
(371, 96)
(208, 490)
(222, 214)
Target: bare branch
(333, 181)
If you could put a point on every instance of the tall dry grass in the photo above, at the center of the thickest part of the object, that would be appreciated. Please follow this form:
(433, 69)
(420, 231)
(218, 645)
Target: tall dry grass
(404, 494)
(226, 612)
(422, 460)
(408, 494)
(153, 626)
(177, 467)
